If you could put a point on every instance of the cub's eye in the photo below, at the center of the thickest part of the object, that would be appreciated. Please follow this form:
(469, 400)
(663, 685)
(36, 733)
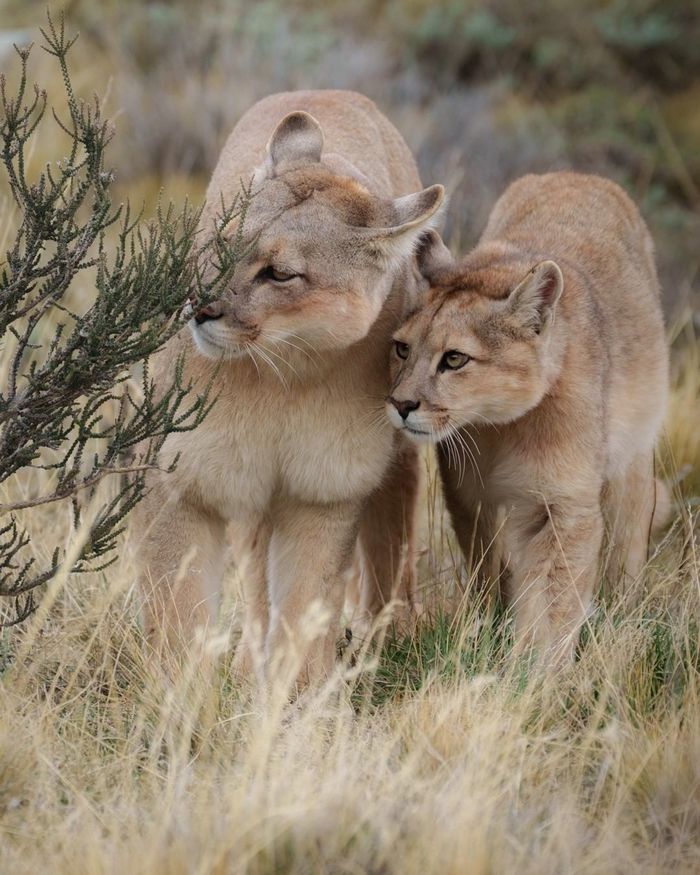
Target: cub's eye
(453, 360)
(277, 274)
(401, 349)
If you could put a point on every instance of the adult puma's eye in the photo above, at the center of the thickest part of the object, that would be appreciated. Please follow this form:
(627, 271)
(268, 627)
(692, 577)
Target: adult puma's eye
(453, 360)
(401, 349)
(277, 274)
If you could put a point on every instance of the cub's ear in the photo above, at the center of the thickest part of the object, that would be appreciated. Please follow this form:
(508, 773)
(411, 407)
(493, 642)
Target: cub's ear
(297, 139)
(400, 223)
(433, 256)
(533, 300)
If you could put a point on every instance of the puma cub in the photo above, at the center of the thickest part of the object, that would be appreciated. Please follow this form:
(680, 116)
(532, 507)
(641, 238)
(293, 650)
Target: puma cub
(296, 452)
(541, 359)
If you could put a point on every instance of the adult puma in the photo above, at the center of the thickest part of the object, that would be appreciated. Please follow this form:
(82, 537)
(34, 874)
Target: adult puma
(542, 356)
(295, 450)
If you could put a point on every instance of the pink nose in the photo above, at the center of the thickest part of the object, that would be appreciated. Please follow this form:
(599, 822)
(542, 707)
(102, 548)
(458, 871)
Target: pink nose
(211, 311)
(405, 407)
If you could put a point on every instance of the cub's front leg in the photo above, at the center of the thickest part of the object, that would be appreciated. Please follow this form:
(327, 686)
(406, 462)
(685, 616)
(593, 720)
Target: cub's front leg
(311, 548)
(387, 537)
(554, 550)
(474, 520)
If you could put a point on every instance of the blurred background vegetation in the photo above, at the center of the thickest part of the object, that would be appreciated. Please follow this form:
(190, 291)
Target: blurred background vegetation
(483, 92)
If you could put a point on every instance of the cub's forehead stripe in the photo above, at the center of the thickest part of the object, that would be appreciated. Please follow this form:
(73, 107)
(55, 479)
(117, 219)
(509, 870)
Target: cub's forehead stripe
(428, 327)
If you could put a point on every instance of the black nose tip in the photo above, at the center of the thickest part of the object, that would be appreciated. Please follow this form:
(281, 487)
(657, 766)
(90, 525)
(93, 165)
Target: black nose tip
(405, 407)
(206, 313)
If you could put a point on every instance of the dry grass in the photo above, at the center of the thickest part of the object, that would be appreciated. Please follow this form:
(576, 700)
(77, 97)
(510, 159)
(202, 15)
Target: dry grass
(444, 754)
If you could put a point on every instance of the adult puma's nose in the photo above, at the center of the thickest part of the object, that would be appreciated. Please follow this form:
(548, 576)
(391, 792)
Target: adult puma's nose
(211, 311)
(405, 407)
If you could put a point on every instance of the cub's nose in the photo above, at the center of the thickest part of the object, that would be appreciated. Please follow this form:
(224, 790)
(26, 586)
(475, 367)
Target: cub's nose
(211, 311)
(405, 407)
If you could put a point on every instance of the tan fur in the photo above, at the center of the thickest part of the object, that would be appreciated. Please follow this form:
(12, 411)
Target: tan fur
(296, 449)
(561, 404)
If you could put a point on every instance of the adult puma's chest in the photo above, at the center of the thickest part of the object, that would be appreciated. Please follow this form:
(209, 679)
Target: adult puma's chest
(333, 448)
(317, 446)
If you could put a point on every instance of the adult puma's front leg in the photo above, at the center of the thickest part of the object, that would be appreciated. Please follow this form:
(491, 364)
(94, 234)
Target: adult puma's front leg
(256, 612)
(310, 550)
(180, 546)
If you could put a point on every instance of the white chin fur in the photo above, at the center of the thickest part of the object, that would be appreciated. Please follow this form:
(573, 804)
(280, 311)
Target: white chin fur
(420, 437)
(213, 347)
(413, 430)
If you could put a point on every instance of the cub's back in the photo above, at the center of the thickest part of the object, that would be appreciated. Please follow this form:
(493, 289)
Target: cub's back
(592, 229)
(611, 298)
(580, 219)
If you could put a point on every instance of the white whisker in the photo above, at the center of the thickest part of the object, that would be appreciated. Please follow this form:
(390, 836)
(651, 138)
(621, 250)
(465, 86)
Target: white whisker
(252, 358)
(460, 436)
(272, 365)
(277, 340)
(284, 361)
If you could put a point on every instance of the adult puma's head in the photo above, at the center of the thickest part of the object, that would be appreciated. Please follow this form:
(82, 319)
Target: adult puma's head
(478, 350)
(321, 251)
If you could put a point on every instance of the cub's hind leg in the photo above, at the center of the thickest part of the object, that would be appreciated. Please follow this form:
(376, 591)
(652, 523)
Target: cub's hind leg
(630, 503)
(387, 538)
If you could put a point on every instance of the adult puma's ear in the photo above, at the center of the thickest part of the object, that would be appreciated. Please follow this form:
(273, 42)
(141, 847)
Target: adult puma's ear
(433, 256)
(533, 300)
(413, 212)
(297, 140)
(400, 223)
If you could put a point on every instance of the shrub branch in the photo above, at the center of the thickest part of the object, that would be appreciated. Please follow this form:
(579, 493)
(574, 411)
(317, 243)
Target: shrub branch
(66, 369)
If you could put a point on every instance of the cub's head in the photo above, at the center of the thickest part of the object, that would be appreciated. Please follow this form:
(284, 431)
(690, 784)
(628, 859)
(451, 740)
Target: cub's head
(321, 252)
(478, 350)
